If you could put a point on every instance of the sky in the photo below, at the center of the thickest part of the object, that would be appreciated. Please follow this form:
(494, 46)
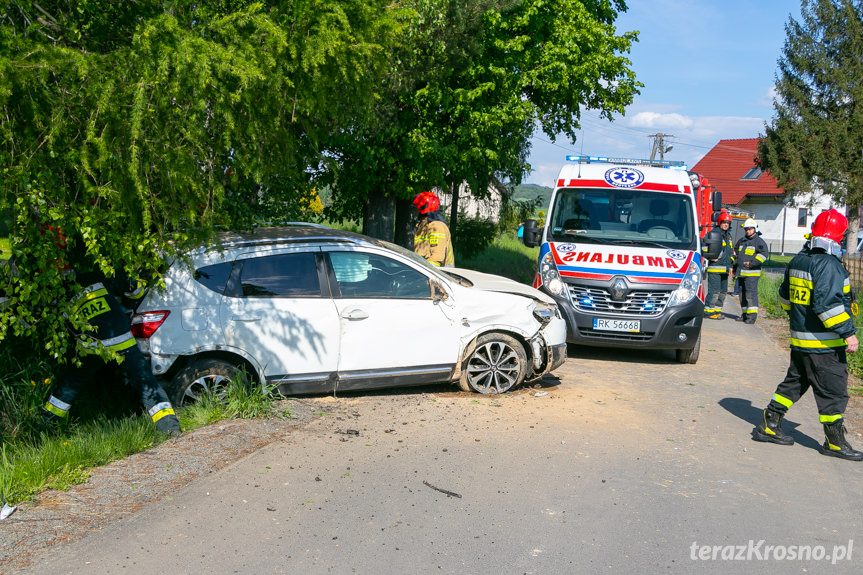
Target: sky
(708, 69)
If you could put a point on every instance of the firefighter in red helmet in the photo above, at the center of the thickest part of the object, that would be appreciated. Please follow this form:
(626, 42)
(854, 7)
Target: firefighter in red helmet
(432, 239)
(718, 269)
(816, 293)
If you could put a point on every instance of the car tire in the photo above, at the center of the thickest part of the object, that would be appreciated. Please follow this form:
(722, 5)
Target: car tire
(497, 364)
(201, 377)
(690, 355)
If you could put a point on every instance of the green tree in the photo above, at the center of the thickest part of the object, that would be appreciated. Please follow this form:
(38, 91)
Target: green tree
(134, 128)
(465, 93)
(815, 139)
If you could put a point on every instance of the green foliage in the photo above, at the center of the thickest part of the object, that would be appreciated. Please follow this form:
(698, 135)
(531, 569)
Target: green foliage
(25, 383)
(516, 212)
(533, 193)
(814, 135)
(466, 88)
(32, 459)
(137, 128)
(237, 400)
(472, 237)
(768, 295)
(59, 460)
(507, 257)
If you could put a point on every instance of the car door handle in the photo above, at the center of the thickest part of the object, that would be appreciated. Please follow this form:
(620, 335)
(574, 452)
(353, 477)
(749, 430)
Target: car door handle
(245, 319)
(355, 314)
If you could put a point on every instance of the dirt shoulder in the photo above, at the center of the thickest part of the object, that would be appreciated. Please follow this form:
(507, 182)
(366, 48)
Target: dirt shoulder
(120, 489)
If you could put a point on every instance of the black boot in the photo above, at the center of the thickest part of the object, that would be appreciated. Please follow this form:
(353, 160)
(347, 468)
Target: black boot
(836, 445)
(770, 429)
(169, 425)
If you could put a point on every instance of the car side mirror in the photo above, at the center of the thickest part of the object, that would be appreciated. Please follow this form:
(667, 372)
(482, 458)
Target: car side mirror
(531, 235)
(713, 244)
(438, 293)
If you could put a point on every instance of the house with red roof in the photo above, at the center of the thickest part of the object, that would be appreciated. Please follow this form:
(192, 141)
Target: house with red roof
(749, 191)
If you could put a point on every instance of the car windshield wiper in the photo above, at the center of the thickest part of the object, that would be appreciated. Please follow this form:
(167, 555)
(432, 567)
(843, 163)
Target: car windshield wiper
(580, 237)
(639, 243)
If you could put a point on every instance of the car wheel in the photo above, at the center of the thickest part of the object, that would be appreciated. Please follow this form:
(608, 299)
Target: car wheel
(497, 364)
(199, 378)
(690, 355)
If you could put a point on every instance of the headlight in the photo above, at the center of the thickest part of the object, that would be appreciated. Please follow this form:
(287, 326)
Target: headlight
(549, 275)
(545, 312)
(688, 288)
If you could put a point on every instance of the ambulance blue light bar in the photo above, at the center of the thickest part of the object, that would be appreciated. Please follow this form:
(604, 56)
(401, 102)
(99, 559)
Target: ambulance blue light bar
(672, 164)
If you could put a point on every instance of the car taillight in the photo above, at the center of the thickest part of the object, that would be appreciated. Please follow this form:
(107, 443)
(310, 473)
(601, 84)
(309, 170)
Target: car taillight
(145, 324)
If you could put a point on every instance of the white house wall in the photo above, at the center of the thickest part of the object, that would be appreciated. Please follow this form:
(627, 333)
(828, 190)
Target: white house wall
(470, 206)
(778, 222)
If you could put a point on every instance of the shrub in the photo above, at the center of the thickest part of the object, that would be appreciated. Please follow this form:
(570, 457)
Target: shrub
(472, 237)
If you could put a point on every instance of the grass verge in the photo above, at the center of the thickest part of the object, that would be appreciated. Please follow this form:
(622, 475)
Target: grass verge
(33, 458)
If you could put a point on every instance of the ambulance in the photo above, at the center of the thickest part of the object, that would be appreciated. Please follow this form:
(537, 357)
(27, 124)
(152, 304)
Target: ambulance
(621, 252)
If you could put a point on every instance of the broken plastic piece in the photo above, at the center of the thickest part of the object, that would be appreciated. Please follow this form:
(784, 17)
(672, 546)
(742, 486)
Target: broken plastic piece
(540, 394)
(7, 511)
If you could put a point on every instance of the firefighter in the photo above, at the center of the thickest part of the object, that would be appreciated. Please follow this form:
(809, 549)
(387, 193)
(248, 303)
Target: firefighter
(432, 238)
(751, 252)
(816, 293)
(717, 271)
(99, 303)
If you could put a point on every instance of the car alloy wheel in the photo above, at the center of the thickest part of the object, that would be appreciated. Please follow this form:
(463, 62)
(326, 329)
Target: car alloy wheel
(497, 364)
(200, 378)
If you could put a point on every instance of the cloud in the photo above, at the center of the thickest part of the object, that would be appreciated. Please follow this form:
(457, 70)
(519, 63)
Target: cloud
(769, 97)
(655, 120)
(691, 137)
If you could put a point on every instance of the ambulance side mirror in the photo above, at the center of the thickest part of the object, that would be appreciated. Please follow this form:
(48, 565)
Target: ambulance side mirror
(712, 244)
(531, 235)
(716, 203)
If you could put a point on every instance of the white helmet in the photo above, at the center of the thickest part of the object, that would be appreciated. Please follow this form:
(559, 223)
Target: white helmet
(750, 223)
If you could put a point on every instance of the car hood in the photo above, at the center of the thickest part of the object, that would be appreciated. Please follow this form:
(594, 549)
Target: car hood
(491, 282)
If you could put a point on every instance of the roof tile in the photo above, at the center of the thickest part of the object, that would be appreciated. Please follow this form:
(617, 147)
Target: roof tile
(727, 162)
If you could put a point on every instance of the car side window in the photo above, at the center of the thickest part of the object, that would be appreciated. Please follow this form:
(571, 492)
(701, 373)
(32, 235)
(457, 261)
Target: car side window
(360, 274)
(284, 275)
(214, 277)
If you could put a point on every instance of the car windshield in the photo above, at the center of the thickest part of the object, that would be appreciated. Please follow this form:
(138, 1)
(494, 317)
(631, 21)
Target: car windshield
(627, 217)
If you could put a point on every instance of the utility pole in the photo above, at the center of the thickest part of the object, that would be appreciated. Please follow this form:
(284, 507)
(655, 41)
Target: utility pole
(659, 145)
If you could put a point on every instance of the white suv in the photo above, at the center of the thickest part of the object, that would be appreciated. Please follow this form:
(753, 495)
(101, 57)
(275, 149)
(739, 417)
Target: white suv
(310, 309)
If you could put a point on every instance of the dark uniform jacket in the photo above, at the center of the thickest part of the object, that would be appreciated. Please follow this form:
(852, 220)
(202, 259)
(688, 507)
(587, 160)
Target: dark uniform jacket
(726, 256)
(816, 293)
(752, 250)
(99, 304)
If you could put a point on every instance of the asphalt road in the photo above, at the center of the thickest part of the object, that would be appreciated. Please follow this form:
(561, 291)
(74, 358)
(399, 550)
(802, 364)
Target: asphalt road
(630, 463)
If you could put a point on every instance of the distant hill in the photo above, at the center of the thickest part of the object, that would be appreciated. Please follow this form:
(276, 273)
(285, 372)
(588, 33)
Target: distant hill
(532, 191)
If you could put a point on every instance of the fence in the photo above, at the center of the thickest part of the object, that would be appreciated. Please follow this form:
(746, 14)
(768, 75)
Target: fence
(854, 264)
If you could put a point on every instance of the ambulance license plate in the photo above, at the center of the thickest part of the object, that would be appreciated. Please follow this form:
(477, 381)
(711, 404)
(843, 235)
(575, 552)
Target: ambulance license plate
(629, 325)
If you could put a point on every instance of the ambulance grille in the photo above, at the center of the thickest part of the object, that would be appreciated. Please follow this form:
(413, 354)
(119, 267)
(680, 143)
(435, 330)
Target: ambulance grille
(636, 303)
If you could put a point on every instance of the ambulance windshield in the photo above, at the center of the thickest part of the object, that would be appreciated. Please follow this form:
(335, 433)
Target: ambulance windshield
(618, 216)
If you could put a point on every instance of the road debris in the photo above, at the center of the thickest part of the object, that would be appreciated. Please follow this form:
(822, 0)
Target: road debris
(540, 394)
(444, 491)
(9, 510)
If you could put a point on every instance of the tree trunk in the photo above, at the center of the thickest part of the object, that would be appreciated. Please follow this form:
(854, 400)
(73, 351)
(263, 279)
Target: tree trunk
(379, 215)
(404, 224)
(453, 212)
(853, 228)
